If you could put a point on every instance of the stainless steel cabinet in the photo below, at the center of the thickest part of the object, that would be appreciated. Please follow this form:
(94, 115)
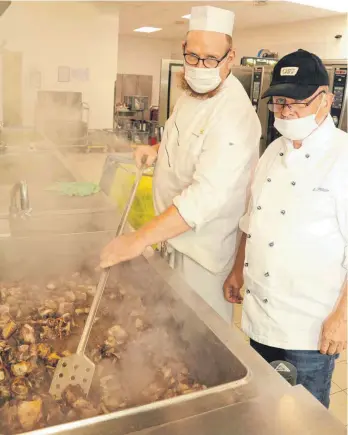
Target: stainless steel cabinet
(132, 84)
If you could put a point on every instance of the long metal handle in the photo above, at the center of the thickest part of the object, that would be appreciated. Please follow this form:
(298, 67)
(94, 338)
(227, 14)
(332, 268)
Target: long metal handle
(105, 273)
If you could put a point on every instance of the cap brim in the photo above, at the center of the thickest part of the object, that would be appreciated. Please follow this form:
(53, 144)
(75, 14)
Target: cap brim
(290, 90)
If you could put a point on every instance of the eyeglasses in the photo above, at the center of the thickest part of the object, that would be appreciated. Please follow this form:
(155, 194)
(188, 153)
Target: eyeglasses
(209, 62)
(279, 107)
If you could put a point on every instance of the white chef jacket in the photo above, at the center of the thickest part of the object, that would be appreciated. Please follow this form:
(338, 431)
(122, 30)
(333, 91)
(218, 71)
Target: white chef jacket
(296, 251)
(204, 167)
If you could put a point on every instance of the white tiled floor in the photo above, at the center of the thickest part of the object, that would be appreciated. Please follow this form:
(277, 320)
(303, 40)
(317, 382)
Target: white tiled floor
(90, 167)
(338, 406)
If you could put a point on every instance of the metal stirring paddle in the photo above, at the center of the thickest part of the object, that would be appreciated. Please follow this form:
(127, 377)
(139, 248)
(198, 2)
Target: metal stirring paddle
(78, 369)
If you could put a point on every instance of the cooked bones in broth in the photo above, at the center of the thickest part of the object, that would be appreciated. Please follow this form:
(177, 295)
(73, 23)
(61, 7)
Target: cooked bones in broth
(137, 361)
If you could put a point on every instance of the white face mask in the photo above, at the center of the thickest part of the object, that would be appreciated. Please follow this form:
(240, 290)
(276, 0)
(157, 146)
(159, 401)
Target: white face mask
(298, 128)
(202, 80)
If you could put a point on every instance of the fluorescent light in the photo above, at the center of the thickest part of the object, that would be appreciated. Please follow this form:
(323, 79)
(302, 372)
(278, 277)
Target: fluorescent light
(186, 16)
(147, 29)
(331, 5)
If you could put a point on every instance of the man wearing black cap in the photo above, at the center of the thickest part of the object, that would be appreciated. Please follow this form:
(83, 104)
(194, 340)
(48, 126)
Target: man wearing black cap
(294, 251)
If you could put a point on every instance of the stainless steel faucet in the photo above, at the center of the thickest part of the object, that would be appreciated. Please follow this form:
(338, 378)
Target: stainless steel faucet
(23, 210)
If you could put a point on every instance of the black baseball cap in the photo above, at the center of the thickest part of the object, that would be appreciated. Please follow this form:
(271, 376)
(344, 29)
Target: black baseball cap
(297, 75)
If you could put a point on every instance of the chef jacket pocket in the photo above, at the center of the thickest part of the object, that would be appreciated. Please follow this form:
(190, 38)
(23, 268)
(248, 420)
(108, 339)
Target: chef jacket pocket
(187, 155)
(260, 308)
(260, 293)
(271, 312)
(317, 212)
(195, 141)
(315, 201)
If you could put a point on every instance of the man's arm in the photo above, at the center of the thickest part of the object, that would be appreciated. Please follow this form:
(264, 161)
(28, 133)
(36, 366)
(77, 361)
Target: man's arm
(163, 227)
(128, 246)
(334, 333)
(234, 282)
(342, 302)
(239, 263)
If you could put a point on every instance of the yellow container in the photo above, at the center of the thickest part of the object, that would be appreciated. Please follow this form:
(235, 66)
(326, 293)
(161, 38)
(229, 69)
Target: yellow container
(142, 210)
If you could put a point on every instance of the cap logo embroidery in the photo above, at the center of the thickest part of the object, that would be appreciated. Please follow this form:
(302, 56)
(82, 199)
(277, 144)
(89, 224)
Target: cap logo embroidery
(289, 71)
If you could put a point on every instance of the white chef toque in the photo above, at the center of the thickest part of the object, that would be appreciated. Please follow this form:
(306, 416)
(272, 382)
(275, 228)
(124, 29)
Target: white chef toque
(212, 19)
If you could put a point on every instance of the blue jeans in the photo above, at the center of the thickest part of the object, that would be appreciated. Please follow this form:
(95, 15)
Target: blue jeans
(314, 370)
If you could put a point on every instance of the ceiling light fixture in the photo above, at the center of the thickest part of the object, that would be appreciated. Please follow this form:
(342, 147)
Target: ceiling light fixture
(147, 29)
(186, 16)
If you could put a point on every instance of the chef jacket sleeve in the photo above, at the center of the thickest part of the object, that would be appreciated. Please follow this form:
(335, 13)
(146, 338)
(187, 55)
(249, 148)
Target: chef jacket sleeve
(342, 216)
(223, 170)
(245, 219)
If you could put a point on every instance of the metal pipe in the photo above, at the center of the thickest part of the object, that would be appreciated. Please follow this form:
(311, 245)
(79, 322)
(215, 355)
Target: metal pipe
(20, 188)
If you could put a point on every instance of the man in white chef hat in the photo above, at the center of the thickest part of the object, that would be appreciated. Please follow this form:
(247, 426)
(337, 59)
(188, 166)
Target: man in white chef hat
(296, 231)
(204, 164)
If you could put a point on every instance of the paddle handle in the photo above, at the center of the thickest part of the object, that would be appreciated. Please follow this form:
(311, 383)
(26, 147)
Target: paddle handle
(105, 273)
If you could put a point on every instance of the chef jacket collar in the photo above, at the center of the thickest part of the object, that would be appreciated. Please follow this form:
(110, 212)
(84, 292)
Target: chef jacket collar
(228, 80)
(318, 140)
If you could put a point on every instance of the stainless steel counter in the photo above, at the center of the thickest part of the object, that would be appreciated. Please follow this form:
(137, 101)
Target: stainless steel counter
(293, 413)
(249, 397)
(238, 401)
(51, 211)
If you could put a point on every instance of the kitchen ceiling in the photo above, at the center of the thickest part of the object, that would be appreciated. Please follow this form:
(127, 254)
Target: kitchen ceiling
(168, 15)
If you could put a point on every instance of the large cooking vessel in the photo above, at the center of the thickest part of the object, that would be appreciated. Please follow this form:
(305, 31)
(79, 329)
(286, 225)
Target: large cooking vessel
(212, 346)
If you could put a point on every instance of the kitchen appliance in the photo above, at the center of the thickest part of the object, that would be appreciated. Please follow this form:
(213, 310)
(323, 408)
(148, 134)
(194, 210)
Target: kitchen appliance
(62, 117)
(261, 80)
(337, 70)
(136, 103)
(216, 354)
(258, 61)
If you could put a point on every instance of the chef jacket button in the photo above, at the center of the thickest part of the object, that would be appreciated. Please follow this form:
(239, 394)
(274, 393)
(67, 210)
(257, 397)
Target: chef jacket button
(266, 274)
(249, 235)
(247, 291)
(271, 244)
(259, 207)
(265, 300)
(246, 264)
(269, 180)
(282, 212)
(307, 156)
(281, 154)
(293, 183)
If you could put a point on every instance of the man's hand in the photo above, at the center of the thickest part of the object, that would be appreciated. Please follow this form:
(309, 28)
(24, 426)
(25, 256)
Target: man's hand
(122, 248)
(334, 334)
(233, 284)
(145, 150)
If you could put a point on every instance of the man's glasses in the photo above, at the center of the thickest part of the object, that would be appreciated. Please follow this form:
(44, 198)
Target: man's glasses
(209, 62)
(293, 107)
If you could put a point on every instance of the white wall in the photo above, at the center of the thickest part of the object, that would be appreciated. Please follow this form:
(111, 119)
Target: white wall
(74, 34)
(317, 36)
(142, 55)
